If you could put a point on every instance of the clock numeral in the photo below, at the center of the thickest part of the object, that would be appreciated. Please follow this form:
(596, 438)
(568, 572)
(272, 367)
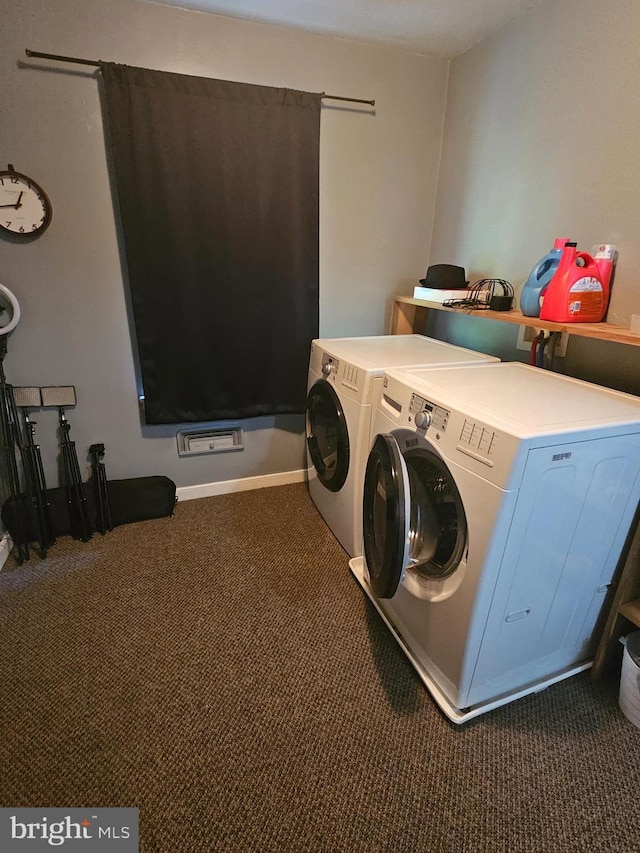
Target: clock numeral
(22, 229)
(34, 226)
(8, 223)
(14, 180)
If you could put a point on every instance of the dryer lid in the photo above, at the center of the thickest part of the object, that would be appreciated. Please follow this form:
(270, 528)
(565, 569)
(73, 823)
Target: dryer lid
(523, 400)
(378, 353)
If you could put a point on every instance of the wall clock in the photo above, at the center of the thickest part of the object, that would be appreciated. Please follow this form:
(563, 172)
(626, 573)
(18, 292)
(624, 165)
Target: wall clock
(25, 209)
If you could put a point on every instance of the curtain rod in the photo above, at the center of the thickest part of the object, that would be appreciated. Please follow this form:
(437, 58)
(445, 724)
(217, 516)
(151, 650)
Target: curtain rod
(97, 64)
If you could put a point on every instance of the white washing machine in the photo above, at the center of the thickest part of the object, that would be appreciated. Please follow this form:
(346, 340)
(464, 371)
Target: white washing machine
(344, 374)
(497, 501)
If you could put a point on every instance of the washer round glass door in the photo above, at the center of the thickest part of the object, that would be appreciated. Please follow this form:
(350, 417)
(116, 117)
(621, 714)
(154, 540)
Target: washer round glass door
(327, 435)
(413, 517)
(385, 508)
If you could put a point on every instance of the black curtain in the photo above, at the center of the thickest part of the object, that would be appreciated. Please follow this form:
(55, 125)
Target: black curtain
(218, 193)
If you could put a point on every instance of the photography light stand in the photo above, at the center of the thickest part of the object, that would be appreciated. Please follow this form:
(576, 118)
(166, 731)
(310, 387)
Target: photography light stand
(10, 439)
(61, 396)
(9, 425)
(36, 487)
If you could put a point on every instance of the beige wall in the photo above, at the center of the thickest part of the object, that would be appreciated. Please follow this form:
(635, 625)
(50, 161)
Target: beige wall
(378, 179)
(541, 141)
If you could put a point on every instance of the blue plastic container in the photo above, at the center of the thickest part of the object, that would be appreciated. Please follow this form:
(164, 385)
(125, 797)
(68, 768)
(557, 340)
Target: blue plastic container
(539, 278)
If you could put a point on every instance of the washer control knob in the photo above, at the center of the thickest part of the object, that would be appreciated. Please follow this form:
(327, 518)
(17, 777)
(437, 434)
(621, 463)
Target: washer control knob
(422, 419)
(326, 369)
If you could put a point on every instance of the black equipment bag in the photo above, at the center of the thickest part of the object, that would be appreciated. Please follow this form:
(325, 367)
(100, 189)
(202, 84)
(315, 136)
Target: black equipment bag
(140, 499)
(135, 499)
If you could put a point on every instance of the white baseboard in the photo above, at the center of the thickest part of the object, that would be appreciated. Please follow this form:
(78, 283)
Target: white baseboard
(6, 544)
(226, 487)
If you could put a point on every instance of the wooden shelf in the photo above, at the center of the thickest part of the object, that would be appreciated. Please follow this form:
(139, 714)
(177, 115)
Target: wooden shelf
(631, 611)
(409, 316)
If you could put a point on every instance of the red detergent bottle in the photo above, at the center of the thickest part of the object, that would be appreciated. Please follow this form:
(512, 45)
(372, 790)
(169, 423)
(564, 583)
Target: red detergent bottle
(579, 290)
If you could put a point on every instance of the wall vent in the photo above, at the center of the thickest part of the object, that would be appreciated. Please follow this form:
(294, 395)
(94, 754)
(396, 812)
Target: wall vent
(211, 440)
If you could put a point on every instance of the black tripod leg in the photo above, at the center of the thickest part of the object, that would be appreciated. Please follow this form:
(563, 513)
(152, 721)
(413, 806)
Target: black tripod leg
(103, 510)
(104, 491)
(32, 460)
(84, 513)
(44, 499)
(71, 502)
(97, 493)
(80, 500)
(31, 488)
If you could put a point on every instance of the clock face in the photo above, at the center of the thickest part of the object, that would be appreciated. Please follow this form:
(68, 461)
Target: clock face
(25, 210)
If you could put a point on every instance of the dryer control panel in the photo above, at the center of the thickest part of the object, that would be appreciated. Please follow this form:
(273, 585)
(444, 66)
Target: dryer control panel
(350, 381)
(329, 365)
(427, 414)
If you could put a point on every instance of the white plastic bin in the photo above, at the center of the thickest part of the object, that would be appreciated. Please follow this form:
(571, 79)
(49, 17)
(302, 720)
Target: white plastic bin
(629, 698)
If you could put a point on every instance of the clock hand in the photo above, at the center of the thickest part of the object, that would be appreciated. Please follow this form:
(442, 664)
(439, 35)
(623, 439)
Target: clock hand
(17, 204)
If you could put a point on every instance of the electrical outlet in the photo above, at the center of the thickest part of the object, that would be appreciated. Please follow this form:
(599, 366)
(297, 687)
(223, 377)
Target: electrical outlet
(527, 334)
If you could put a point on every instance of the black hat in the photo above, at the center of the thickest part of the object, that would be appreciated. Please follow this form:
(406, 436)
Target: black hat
(445, 277)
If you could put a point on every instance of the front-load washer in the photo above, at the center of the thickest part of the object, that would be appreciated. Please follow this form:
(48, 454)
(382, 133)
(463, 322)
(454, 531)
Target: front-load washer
(344, 374)
(497, 501)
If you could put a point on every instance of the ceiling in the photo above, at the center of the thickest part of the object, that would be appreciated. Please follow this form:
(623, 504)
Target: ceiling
(442, 28)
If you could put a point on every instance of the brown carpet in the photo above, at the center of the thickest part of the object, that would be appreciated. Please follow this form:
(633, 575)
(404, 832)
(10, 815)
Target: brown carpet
(222, 671)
